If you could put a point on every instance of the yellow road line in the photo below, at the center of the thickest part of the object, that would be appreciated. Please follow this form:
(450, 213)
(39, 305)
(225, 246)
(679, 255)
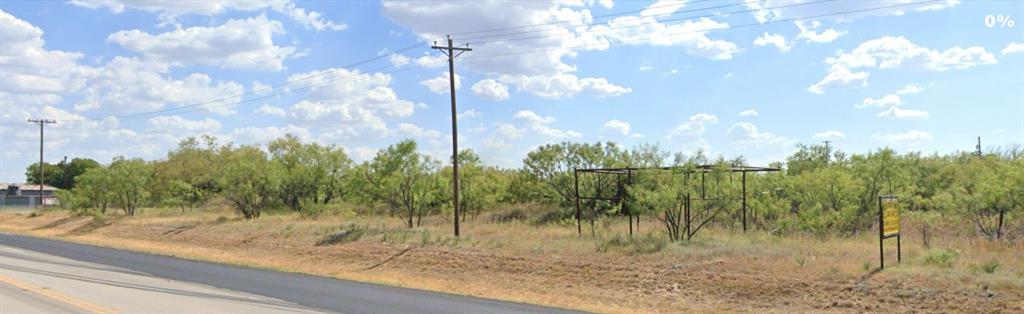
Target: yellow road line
(60, 297)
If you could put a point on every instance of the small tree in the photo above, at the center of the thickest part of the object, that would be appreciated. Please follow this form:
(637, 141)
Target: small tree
(552, 167)
(404, 181)
(663, 194)
(130, 179)
(95, 189)
(184, 195)
(480, 186)
(248, 179)
(988, 192)
(310, 173)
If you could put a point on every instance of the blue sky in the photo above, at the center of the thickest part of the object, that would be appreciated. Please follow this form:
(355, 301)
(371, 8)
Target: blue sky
(750, 78)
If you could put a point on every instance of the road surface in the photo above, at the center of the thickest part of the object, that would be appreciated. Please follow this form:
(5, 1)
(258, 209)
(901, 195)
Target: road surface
(49, 276)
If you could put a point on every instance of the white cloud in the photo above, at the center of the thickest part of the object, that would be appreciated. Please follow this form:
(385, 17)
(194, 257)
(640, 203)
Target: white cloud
(748, 113)
(178, 126)
(490, 89)
(540, 125)
(663, 7)
(240, 44)
(830, 134)
(617, 126)
(431, 21)
(776, 40)
(906, 138)
(897, 52)
(565, 85)
(398, 60)
(809, 33)
(897, 112)
(622, 127)
(262, 135)
(309, 19)
(31, 75)
(440, 84)
(271, 111)
(555, 133)
(691, 35)
(744, 133)
(894, 52)
(468, 114)
(890, 100)
(408, 130)
(37, 79)
(839, 76)
(568, 33)
(644, 68)
(260, 88)
(910, 89)
(133, 85)
(759, 10)
(533, 117)
(431, 61)
(776, 10)
(501, 136)
(690, 134)
(363, 153)
(169, 11)
(352, 103)
(892, 103)
(1012, 48)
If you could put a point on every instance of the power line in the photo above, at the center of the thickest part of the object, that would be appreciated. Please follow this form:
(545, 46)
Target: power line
(595, 23)
(838, 13)
(573, 20)
(656, 22)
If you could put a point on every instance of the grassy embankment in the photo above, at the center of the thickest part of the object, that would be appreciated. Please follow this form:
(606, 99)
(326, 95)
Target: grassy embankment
(720, 270)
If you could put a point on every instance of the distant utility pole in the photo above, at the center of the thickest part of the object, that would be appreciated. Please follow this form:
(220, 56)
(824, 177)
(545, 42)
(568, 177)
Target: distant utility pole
(978, 147)
(450, 52)
(828, 151)
(41, 123)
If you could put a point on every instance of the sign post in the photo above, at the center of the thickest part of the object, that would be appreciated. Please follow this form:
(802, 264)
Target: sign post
(888, 226)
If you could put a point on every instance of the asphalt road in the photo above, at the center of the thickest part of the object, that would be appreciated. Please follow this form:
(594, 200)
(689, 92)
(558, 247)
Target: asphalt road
(35, 273)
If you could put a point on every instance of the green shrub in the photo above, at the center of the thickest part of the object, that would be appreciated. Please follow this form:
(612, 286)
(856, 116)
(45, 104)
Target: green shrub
(989, 267)
(645, 244)
(649, 243)
(941, 258)
(553, 216)
(312, 209)
(516, 214)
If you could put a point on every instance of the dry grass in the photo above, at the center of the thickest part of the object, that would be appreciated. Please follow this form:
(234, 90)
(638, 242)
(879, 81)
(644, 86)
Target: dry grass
(720, 270)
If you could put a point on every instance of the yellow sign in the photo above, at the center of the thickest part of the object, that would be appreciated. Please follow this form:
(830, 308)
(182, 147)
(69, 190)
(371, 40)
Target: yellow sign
(890, 217)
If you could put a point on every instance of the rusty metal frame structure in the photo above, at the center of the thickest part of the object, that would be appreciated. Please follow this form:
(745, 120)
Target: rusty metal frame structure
(630, 172)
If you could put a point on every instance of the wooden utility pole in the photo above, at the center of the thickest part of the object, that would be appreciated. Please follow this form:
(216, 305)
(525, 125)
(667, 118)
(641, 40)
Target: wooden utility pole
(41, 123)
(450, 52)
(978, 148)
